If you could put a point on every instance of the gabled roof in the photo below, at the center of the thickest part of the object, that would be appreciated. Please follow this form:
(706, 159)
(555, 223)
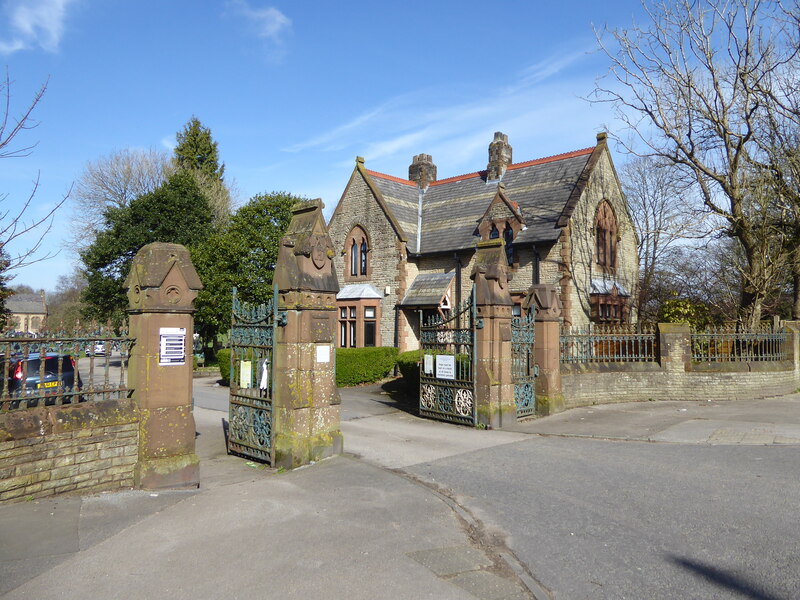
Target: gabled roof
(31, 304)
(450, 209)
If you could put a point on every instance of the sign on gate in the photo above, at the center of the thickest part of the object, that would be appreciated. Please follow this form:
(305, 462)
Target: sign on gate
(447, 373)
(445, 366)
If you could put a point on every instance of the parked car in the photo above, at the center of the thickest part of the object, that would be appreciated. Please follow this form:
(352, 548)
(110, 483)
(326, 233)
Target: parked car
(22, 377)
(96, 349)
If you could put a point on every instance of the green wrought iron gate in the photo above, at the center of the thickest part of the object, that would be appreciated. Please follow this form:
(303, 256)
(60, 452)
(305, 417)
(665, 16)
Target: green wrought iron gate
(447, 371)
(523, 366)
(251, 379)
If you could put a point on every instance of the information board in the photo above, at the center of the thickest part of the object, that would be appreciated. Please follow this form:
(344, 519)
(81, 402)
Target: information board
(172, 350)
(445, 366)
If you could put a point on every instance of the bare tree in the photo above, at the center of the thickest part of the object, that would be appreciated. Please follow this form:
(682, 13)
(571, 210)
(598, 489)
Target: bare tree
(113, 181)
(13, 222)
(690, 86)
(661, 209)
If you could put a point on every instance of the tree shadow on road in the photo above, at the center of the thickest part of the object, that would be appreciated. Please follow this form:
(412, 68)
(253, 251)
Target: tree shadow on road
(725, 579)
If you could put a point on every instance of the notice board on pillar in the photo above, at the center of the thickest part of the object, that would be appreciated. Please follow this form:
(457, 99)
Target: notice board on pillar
(173, 346)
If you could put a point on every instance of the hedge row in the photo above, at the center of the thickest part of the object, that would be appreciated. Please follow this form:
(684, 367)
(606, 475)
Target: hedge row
(363, 365)
(354, 366)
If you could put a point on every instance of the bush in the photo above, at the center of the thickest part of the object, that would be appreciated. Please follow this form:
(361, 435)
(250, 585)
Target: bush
(408, 362)
(224, 361)
(363, 365)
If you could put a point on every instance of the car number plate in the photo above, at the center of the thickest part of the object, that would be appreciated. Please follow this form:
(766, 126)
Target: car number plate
(48, 384)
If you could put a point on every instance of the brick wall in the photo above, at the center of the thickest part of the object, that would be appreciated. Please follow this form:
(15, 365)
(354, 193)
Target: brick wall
(88, 447)
(604, 385)
(673, 376)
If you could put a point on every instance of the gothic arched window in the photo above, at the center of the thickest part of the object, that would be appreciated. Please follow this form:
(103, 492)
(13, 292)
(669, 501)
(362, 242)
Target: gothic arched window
(508, 237)
(356, 250)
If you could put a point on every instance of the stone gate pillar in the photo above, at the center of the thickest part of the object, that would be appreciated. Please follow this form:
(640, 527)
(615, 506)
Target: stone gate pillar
(494, 387)
(162, 286)
(546, 349)
(306, 401)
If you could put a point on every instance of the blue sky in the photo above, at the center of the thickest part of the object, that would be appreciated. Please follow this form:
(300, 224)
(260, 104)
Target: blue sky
(294, 91)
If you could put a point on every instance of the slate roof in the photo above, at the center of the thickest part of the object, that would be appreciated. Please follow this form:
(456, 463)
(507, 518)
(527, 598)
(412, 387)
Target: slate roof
(402, 198)
(452, 208)
(357, 292)
(32, 304)
(428, 289)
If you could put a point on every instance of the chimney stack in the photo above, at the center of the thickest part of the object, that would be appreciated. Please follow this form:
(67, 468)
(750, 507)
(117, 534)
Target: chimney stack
(499, 157)
(422, 171)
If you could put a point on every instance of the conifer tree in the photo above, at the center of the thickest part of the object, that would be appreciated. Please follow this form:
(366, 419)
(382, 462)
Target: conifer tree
(197, 151)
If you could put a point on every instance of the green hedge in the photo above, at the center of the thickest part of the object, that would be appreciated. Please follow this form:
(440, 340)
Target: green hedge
(224, 362)
(363, 365)
(408, 362)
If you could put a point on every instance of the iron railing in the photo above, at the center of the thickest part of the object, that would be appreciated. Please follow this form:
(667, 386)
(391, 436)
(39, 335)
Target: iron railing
(608, 343)
(725, 344)
(77, 367)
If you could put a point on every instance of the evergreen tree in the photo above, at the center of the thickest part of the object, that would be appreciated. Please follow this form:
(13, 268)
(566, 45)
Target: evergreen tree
(5, 291)
(244, 255)
(197, 150)
(177, 212)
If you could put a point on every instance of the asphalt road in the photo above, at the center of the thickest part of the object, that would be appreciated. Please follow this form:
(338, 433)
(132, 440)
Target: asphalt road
(594, 518)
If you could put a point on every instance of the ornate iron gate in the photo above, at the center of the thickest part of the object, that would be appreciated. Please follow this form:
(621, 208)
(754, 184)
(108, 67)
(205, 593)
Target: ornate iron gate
(447, 372)
(523, 367)
(251, 379)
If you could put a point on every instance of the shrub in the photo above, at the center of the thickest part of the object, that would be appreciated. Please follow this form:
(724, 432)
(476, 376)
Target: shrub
(409, 368)
(224, 361)
(363, 365)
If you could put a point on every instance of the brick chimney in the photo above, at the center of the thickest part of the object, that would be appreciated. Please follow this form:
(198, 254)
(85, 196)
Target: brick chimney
(422, 171)
(499, 156)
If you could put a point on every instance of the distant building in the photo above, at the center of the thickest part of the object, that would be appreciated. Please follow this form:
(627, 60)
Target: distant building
(28, 312)
(406, 247)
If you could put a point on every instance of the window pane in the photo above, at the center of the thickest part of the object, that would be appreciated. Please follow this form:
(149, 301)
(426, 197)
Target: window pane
(516, 310)
(343, 334)
(364, 257)
(352, 334)
(369, 312)
(352, 312)
(354, 259)
(343, 313)
(369, 333)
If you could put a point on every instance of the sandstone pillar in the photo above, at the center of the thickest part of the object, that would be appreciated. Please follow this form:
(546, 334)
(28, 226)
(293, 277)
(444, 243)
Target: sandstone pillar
(305, 400)
(547, 347)
(494, 388)
(162, 286)
(675, 347)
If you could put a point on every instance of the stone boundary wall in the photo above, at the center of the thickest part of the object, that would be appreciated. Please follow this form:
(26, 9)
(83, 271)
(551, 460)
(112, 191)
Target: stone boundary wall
(607, 383)
(674, 376)
(88, 447)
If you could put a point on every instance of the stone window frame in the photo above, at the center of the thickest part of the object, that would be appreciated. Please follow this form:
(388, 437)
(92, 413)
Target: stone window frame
(358, 261)
(606, 233)
(609, 308)
(352, 316)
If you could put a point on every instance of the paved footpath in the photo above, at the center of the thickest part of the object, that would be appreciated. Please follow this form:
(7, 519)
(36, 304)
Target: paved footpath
(357, 526)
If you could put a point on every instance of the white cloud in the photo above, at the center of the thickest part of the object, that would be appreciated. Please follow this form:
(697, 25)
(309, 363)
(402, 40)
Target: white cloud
(168, 142)
(268, 23)
(33, 23)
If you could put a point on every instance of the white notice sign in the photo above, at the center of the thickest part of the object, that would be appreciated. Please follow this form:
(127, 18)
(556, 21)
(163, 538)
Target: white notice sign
(427, 365)
(172, 349)
(245, 374)
(323, 353)
(445, 366)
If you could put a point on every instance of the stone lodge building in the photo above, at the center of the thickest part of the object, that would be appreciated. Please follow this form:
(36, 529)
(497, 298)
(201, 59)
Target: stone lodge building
(28, 312)
(407, 246)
